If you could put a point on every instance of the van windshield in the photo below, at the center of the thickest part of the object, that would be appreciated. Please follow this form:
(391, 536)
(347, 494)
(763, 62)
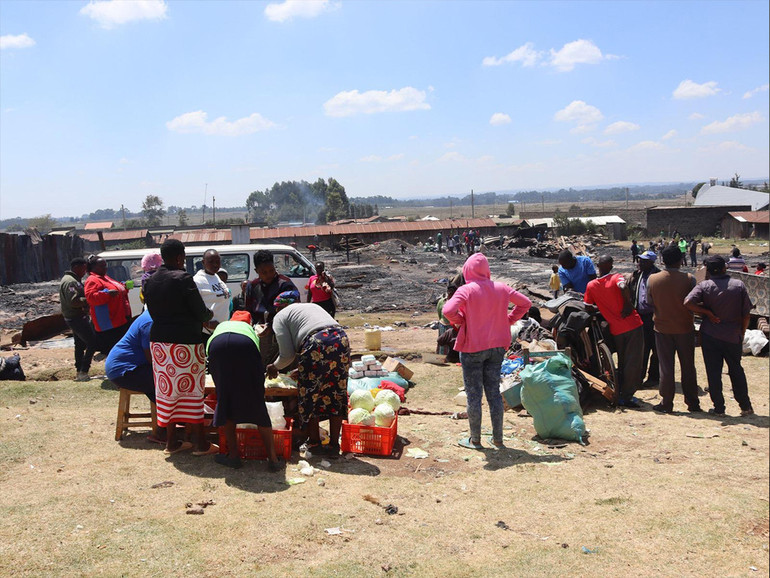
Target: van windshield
(236, 265)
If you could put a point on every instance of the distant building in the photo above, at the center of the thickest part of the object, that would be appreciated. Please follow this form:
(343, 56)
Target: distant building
(746, 224)
(718, 195)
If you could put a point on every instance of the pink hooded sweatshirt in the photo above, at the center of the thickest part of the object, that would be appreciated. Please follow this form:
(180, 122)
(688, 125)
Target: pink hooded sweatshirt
(480, 308)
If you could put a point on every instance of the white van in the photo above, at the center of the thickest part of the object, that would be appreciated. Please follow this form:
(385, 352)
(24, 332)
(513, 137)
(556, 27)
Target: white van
(237, 260)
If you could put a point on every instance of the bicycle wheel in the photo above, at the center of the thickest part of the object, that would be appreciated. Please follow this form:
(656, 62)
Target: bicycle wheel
(607, 367)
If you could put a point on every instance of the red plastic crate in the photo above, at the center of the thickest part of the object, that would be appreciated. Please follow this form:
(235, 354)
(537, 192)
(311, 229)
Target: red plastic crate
(250, 443)
(368, 439)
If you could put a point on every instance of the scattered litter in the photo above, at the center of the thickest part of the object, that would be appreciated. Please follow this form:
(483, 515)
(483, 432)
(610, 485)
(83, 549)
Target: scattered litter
(295, 481)
(417, 453)
(338, 531)
(588, 550)
(390, 509)
(502, 525)
(308, 471)
(321, 482)
(165, 484)
(32, 401)
(194, 511)
(460, 415)
(325, 464)
(565, 545)
(702, 436)
(461, 399)
(744, 443)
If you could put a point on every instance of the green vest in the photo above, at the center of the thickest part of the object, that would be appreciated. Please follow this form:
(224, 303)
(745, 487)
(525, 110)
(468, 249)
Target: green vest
(234, 327)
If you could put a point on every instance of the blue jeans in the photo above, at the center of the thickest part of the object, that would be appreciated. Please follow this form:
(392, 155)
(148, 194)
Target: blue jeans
(481, 371)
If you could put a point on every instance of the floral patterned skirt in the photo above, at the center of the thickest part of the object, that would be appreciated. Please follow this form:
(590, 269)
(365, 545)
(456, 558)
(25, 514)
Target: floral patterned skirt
(323, 366)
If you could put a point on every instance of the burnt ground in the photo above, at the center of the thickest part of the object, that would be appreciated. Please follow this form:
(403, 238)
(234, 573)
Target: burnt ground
(378, 278)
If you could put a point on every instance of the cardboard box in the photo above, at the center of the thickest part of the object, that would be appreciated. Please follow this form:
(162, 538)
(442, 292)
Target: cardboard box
(397, 365)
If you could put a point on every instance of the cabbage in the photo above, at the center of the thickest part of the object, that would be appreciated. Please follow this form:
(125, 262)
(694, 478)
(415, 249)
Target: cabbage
(389, 397)
(363, 399)
(360, 416)
(384, 415)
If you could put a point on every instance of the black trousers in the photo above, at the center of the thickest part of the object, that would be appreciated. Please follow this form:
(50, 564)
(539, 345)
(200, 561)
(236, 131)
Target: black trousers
(715, 353)
(86, 342)
(650, 356)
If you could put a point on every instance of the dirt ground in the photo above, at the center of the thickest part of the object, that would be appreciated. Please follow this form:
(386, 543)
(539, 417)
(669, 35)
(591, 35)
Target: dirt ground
(672, 495)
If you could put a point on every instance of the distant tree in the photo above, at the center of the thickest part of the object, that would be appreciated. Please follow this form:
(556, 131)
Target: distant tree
(511, 209)
(257, 205)
(182, 215)
(15, 227)
(695, 190)
(765, 187)
(152, 209)
(376, 209)
(336, 201)
(43, 223)
(735, 182)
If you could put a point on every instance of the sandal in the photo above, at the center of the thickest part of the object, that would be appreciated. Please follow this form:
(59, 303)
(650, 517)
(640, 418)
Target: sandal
(213, 449)
(468, 443)
(183, 447)
(496, 445)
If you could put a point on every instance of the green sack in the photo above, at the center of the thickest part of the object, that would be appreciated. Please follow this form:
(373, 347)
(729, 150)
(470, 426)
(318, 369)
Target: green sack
(550, 395)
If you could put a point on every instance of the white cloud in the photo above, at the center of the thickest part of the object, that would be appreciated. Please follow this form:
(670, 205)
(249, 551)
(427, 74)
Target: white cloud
(647, 145)
(757, 90)
(734, 123)
(16, 41)
(452, 156)
(583, 115)
(526, 54)
(696, 116)
(669, 135)
(577, 52)
(290, 9)
(499, 118)
(352, 102)
(621, 126)
(379, 159)
(111, 13)
(726, 146)
(597, 143)
(197, 122)
(688, 89)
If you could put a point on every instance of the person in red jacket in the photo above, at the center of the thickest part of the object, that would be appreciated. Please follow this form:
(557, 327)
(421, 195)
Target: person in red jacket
(108, 302)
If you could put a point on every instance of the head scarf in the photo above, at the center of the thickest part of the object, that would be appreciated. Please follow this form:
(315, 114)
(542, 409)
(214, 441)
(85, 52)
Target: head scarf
(286, 298)
(151, 261)
(244, 316)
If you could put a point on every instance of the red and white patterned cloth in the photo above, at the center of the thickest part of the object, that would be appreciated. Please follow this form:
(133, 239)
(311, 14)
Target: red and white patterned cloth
(179, 371)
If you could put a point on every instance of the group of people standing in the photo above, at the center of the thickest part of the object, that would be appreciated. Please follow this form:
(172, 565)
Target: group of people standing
(189, 324)
(651, 317)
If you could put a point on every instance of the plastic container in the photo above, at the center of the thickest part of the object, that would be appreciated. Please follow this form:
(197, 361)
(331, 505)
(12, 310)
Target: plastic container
(373, 339)
(372, 440)
(250, 442)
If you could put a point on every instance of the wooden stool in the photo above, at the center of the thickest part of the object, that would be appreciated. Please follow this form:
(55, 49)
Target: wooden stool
(125, 417)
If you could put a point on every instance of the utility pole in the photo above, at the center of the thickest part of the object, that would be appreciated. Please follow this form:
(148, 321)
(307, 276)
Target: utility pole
(542, 203)
(473, 211)
(123, 212)
(214, 204)
(626, 198)
(450, 207)
(205, 192)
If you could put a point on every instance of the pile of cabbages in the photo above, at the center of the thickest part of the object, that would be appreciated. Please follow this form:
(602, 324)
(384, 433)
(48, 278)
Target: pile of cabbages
(368, 409)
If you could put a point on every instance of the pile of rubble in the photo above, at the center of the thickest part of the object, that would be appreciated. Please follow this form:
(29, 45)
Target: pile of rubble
(578, 244)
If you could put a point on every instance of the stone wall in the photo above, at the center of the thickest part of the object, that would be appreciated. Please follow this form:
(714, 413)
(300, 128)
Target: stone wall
(688, 220)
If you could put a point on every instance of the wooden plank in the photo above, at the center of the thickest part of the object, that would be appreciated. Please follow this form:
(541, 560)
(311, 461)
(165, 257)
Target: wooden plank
(599, 385)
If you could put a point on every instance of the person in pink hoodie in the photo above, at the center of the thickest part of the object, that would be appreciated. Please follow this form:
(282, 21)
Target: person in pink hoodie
(480, 309)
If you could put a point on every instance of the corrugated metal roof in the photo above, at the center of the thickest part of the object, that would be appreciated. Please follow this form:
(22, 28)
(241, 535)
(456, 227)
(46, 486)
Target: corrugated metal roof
(718, 196)
(98, 226)
(751, 216)
(362, 229)
(128, 235)
(603, 220)
(206, 236)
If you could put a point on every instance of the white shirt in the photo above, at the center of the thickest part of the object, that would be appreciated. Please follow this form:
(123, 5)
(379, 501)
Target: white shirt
(215, 294)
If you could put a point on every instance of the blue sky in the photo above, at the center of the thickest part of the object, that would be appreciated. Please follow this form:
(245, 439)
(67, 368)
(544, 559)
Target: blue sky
(105, 102)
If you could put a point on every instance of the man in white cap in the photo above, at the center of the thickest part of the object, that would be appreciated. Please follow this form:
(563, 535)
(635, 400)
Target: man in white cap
(638, 284)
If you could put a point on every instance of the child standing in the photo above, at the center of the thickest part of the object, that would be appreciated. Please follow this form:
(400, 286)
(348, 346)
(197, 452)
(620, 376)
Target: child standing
(555, 284)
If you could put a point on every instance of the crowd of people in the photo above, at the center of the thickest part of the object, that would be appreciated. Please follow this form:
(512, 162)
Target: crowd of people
(190, 325)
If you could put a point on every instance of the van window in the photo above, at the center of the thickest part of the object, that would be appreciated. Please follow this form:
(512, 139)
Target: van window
(291, 265)
(236, 265)
(124, 269)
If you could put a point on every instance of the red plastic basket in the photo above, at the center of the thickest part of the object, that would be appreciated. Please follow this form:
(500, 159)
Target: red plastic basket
(250, 443)
(367, 439)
